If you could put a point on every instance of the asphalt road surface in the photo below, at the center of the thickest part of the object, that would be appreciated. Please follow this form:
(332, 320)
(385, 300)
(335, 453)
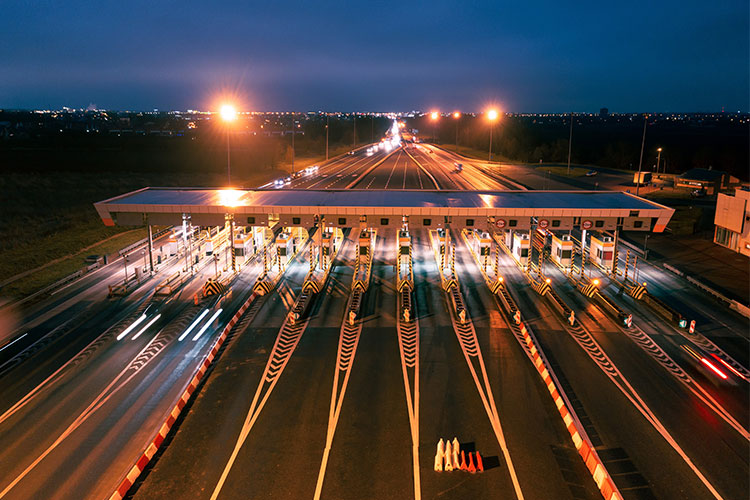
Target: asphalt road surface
(318, 409)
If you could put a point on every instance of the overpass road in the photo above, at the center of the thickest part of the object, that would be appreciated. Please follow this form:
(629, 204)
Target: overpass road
(311, 402)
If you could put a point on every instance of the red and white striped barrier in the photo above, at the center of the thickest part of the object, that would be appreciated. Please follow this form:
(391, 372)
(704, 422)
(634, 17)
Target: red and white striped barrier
(583, 445)
(150, 451)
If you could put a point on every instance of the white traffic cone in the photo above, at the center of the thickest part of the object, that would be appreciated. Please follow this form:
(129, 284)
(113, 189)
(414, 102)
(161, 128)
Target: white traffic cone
(448, 456)
(439, 456)
(456, 450)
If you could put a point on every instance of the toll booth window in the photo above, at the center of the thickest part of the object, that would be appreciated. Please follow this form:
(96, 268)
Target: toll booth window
(469, 222)
(282, 251)
(512, 223)
(524, 252)
(566, 254)
(638, 223)
(599, 223)
(556, 223)
(363, 250)
(634, 213)
(251, 220)
(383, 222)
(296, 221)
(342, 221)
(426, 222)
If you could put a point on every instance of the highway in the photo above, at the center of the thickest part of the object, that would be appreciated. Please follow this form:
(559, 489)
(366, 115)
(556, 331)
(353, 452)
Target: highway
(321, 407)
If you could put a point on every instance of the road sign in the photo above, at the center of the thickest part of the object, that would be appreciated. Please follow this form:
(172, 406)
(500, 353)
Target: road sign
(572, 318)
(629, 320)
(692, 327)
(500, 223)
(586, 224)
(543, 223)
(517, 317)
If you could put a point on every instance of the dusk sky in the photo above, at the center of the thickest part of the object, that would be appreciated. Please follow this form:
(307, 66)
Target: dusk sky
(377, 56)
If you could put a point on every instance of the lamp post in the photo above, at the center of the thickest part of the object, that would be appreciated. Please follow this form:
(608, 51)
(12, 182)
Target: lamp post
(658, 159)
(327, 123)
(457, 117)
(228, 114)
(294, 132)
(570, 141)
(492, 116)
(434, 117)
(640, 163)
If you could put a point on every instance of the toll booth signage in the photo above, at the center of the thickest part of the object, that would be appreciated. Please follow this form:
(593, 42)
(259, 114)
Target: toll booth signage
(543, 223)
(500, 223)
(586, 224)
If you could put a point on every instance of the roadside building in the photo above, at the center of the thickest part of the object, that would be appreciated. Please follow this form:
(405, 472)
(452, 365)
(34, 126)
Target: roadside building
(703, 179)
(732, 221)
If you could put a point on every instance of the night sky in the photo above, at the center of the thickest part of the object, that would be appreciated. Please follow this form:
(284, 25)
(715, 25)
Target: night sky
(377, 56)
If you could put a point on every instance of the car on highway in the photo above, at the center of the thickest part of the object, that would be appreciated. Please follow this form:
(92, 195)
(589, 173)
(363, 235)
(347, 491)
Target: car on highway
(592, 173)
(459, 167)
(278, 183)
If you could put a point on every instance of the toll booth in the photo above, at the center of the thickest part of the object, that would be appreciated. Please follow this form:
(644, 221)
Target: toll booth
(481, 242)
(259, 236)
(508, 238)
(173, 245)
(365, 242)
(441, 240)
(521, 245)
(562, 250)
(243, 244)
(602, 251)
(404, 242)
(328, 244)
(284, 246)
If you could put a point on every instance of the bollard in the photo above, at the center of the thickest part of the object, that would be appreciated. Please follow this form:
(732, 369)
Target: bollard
(352, 317)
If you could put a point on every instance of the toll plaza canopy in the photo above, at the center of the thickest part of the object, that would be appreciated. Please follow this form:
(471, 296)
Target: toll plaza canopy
(602, 210)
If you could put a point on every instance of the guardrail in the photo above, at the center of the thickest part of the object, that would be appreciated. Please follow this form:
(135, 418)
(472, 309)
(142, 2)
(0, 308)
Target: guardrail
(134, 246)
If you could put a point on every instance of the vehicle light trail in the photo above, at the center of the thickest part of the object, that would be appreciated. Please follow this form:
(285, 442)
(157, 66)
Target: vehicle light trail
(146, 327)
(193, 325)
(13, 342)
(207, 324)
(714, 369)
(131, 327)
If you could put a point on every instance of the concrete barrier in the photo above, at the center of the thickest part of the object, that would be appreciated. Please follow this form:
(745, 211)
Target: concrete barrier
(127, 482)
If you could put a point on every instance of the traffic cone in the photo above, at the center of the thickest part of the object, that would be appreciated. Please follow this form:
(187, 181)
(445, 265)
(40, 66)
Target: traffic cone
(439, 456)
(456, 448)
(448, 456)
(463, 461)
(471, 468)
(480, 465)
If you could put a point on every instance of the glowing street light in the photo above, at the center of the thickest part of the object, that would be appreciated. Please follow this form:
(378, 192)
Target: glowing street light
(658, 159)
(492, 116)
(434, 117)
(228, 114)
(456, 116)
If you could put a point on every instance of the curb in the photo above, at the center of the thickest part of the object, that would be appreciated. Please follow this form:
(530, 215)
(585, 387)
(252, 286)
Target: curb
(424, 170)
(161, 435)
(581, 441)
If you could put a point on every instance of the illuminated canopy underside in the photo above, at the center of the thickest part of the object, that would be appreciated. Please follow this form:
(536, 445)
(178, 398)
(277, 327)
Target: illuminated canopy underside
(604, 210)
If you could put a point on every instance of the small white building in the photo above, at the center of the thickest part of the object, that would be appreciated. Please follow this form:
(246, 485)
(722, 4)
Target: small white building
(732, 221)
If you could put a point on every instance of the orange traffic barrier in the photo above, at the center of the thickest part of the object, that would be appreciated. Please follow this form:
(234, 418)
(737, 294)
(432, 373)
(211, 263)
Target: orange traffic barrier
(472, 468)
(448, 456)
(463, 461)
(480, 465)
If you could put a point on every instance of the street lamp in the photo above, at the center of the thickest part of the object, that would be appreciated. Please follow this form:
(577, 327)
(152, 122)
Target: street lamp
(640, 163)
(456, 116)
(658, 159)
(492, 116)
(228, 114)
(434, 117)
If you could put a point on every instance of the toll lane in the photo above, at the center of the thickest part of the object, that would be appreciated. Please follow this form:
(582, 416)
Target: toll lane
(114, 395)
(624, 438)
